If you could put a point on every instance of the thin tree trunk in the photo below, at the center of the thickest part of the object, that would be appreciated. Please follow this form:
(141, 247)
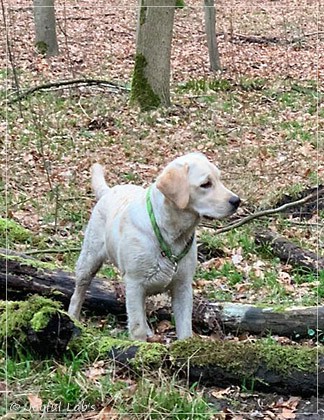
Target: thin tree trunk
(45, 27)
(210, 22)
(151, 77)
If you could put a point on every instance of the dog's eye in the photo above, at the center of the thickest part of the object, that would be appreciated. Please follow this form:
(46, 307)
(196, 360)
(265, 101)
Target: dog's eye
(207, 184)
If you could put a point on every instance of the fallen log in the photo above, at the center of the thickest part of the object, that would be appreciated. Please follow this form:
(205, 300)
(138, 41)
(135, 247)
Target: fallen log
(31, 326)
(37, 326)
(289, 252)
(294, 322)
(288, 370)
(20, 278)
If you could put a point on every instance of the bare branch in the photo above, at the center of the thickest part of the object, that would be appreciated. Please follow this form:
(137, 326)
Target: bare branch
(266, 212)
(51, 251)
(65, 83)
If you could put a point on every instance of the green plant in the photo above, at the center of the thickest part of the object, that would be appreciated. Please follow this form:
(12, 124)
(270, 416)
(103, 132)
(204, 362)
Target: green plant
(167, 400)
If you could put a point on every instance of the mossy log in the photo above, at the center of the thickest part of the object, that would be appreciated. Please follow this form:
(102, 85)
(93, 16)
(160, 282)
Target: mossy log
(289, 252)
(39, 326)
(20, 278)
(260, 366)
(291, 370)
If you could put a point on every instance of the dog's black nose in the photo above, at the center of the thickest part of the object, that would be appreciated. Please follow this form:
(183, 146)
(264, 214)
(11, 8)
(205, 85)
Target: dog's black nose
(235, 201)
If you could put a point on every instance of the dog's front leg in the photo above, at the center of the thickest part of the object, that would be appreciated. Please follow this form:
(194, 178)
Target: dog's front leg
(181, 294)
(135, 306)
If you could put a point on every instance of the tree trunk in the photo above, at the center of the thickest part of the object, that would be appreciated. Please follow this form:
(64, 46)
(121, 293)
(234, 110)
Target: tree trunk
(151, 76)
(20, 278)
(289, 252)
(45, 27)
(210, 22)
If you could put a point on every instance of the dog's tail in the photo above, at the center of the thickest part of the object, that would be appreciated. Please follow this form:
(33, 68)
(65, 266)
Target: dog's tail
(99, 185)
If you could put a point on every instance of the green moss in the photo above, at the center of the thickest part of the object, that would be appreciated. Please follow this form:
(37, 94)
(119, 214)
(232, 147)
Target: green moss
(29, 262)
(41, 47)
(16, 317)
(245, 359)
(94, 343)
(285, 359)
(13, 232)
(143, 12)
(41, 318)
(142, 92)
(149, 354)
(180, 4)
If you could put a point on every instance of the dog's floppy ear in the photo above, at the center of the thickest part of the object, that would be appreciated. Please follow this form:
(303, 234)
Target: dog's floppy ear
(174, 184)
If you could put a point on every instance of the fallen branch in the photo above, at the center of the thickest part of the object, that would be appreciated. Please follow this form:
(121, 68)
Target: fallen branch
(267, 212)
(67, 83)
(51, 251)
(289, 252)
(272, 39)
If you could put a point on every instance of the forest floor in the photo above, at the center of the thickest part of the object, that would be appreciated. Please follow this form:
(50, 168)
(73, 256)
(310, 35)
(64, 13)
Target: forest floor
(260, 120)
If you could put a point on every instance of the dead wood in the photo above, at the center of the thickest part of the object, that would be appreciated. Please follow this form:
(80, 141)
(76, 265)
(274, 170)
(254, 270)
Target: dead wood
(114, 87)
(287, 370)
(20, 279)
(313, 196)
(36, 326)
(23, 277)
(289, 252)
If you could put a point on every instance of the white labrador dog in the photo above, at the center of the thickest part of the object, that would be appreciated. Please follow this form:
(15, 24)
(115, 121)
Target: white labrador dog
(149, 234)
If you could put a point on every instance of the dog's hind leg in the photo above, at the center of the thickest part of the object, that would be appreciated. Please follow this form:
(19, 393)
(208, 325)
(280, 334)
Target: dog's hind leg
(89, 262)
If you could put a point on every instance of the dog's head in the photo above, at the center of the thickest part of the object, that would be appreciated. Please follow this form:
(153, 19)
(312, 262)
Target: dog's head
(191, 182)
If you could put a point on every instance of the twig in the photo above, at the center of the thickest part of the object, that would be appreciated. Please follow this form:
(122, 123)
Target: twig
(271, 39)
(41, 147)
(52, 251)
(57, 204)
(266, 212)
(87, 82)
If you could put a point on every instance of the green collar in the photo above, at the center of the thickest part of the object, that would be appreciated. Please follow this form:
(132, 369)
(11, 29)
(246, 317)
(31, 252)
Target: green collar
(166, 250)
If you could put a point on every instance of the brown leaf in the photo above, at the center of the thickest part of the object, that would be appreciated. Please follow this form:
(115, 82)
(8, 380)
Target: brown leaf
(287, 414)
(221, 393)
(108, 413)
(164, 326)
(155, 339)
(35, 402)
(95, 372)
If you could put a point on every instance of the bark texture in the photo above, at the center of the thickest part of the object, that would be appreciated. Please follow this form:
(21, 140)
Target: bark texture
(45, 27)
(151, 77)
(210, 22)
